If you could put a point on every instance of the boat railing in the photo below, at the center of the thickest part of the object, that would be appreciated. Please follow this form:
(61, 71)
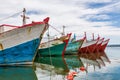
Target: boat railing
(6, 27)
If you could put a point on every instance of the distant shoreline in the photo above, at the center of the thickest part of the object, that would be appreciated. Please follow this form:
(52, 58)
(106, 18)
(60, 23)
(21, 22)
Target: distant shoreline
(113, 45)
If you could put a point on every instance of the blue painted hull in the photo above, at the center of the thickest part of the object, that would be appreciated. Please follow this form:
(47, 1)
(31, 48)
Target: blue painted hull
(19, 54)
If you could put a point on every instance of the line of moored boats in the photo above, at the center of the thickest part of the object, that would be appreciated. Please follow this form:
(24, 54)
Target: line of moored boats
(21, 44)
(66, 45)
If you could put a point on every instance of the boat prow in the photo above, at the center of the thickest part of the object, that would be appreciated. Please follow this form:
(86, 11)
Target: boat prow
(19, 45)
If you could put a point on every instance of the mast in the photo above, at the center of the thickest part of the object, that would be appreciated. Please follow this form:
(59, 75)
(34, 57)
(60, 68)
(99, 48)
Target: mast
(24, 16)
(24, 19)
(63, 33)
(93, 35)
(85, 35)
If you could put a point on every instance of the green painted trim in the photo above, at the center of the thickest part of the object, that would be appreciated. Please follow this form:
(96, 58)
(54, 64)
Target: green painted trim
(55, 50)
(73, 47)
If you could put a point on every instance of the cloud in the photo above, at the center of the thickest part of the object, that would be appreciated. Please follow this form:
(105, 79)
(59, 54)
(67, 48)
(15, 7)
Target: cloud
(97, 17)
(92, 16)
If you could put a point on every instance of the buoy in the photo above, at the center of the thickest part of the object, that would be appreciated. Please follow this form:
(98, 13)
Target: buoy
(70, 76)
(74, 73)
(82, 68)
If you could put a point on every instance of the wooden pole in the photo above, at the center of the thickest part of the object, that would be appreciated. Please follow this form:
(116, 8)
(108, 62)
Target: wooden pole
(85, 35)
(63, 30)
(93, 35)
(24, 19)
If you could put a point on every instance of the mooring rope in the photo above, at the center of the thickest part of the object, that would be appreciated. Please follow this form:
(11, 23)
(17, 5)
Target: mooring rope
(49, 53)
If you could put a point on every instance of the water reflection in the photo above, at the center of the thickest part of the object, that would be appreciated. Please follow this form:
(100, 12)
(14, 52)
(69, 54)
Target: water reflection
(17, 73)
(94, 59)
(56, 64)
(51, 67)
(73, 62)
(56, 68)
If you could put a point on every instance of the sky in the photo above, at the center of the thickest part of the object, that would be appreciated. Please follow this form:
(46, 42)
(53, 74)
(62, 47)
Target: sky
(78, 16)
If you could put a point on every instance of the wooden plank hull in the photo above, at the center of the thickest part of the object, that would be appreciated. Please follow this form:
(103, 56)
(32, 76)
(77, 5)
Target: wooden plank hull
(55, 47)
(19, 45)
(20, 53)
(104, 45)
(73, 47)
(88, 47)
(98, 45)
(54, 50)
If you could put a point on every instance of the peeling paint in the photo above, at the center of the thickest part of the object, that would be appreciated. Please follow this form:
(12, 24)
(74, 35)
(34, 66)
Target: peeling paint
(1, 46)
(29, 30)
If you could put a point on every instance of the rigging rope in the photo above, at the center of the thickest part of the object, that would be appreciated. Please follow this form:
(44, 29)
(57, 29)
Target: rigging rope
(55, 29)
(11, 16)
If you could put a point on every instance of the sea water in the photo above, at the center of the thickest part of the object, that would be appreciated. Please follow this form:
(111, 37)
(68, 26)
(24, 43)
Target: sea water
(99, 66)
(111, 71)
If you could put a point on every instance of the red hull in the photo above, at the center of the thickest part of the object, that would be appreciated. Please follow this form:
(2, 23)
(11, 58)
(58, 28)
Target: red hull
(88, 47)
(98, 45)
(103, 45)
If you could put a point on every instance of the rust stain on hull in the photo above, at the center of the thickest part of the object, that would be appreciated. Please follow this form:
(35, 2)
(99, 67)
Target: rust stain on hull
(1, 46)
(29, 30)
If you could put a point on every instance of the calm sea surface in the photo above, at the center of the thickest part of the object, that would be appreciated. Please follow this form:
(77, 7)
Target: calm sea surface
(99, 66)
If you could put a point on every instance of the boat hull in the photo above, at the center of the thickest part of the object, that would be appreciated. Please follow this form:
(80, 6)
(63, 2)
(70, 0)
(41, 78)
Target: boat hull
(73, 47)
(54, 47)
(19, 45)
(19, 54)
(104, 45)
(55, 50)
(88, 47)
(98, 45)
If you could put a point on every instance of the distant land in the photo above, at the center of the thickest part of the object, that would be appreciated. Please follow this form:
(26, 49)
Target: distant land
(114, 45)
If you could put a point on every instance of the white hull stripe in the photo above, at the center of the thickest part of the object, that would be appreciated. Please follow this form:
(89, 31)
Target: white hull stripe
(20, 35)
(85, 44)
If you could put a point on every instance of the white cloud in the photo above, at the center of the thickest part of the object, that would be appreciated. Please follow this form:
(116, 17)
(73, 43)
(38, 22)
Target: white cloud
(64, 12)
(110, 8)
(98, 17)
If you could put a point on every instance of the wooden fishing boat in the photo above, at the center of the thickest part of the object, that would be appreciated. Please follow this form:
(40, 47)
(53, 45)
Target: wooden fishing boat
(98, 45)
(73, 46)
(88, 46)
(104, 45)
(54, 47)
(19, 45)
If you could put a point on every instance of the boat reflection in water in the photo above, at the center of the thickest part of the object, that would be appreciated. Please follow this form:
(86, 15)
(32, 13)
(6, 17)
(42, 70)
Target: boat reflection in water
(94, 59)
(17, 73)
(73, 62)
(58, 68)
(48, 68)
(56, 64)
